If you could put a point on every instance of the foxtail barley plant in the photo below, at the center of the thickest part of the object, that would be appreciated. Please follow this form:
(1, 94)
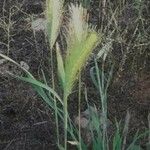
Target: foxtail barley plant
(81, 39)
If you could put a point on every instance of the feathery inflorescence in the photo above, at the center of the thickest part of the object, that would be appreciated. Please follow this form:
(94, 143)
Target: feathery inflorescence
(81, 40)
(54, 14)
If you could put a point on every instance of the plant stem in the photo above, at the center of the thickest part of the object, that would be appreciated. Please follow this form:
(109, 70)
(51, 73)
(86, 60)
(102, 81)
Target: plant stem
(53, 86)
(79, 111)
(103, 97)
(65, 120)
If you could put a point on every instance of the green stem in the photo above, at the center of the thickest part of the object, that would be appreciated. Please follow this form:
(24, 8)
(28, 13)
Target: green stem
(55, 103)
(65, 120)
(79, 111)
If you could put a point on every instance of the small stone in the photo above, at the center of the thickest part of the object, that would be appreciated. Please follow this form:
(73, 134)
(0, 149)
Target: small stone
(24, 65)
(82, 121)
(2, 61)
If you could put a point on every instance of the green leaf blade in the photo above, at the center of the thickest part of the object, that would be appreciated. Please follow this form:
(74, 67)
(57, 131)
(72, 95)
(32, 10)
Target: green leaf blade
(60, 66)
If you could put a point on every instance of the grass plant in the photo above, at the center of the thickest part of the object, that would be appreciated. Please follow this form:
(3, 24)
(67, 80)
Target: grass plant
(81, 39)
(101, 140)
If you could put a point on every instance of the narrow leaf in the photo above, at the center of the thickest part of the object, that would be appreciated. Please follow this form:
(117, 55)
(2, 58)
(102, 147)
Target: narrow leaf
(60, 65)
(39, 84)
(24, 69)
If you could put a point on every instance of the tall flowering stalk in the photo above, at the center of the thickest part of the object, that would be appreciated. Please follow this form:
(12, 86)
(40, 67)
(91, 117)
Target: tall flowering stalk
(81, 40)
